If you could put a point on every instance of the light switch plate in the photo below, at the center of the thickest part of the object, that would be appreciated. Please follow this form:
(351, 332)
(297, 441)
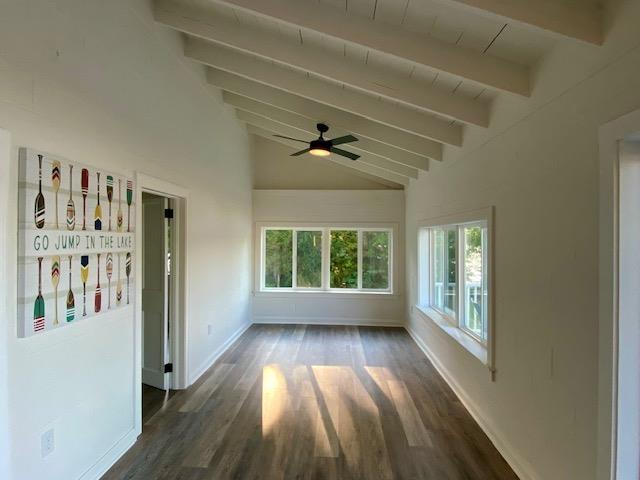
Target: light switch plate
(47, 443)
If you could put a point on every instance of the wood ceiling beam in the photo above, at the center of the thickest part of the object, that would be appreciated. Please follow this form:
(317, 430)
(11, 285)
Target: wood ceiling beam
(367, 78)
(365, 157)
(320, 112)
(384, 176)
(404, 118)
(572, 21)
(413, 47)
(308, 125)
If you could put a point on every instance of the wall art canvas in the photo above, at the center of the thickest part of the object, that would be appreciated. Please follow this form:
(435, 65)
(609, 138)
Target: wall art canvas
(76, 242)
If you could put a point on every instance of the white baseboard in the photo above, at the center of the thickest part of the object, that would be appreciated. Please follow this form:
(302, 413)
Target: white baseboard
(520, 466)
(362, 322)
(217, 353)
(111, 457)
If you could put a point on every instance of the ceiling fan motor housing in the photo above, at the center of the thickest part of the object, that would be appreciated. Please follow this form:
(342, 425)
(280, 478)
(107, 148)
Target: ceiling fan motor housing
(320, 144)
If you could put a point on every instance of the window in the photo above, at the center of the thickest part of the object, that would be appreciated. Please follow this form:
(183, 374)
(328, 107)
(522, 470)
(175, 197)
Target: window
(454, 277)
(327, 259)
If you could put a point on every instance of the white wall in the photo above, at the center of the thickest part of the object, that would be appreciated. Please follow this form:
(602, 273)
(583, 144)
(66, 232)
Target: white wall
(100, 83)
(538, 165)
(374, 207)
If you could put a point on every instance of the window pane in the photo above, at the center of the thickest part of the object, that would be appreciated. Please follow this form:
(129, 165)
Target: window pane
(344, 259)
(437, 262)
(474, 281)
(451, 273)
(278, 258)
(375, 260)
(309, 259)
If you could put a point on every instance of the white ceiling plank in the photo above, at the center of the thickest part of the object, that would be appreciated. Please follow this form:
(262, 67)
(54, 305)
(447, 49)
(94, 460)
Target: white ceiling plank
(302, 134)
(410, 46)
(572, 21)
(372, 78)
(355, 165)
(401, 117)
(318, 111)
(295, 120)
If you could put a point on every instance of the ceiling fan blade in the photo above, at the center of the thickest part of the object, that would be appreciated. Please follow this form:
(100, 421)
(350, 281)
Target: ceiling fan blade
(300, 152)
(344, 153)
(290, 138)
(345, 139)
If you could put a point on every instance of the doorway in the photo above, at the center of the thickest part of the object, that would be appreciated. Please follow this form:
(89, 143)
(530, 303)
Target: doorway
(162, 296)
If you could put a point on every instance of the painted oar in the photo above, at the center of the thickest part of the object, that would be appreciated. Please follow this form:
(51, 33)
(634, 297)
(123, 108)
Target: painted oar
(129, 200)
(71, 208)
(109, 196)
(38, 210)
(84, 275)
(119, 285)
(98, 298)
(128, 272)
(109, 275)
(55, 182)
(98, 213)
(84, 184)
(119, 220)
(71, 302)
(55, 280)
(38, 307)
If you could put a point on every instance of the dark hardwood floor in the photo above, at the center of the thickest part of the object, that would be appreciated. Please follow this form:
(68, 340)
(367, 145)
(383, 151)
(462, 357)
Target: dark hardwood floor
(315, 402)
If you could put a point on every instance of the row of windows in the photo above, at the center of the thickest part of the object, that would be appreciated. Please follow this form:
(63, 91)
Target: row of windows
(326, 259)
(454, 275)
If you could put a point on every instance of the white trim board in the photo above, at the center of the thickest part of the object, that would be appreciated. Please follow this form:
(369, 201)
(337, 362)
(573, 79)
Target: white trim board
(98, 469)
(358, 322)
(218, 352)
(519, 465)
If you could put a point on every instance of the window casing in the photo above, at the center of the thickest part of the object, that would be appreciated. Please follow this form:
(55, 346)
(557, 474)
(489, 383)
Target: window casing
(454, 275)
(351, 259)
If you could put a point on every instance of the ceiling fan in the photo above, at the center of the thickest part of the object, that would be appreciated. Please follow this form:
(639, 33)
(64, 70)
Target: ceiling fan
(322, 147)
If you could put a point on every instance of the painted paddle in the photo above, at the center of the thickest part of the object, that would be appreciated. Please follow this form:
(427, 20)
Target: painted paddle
(98, 298)
(129, 200)
(119, 220)
(127, 270)
(71, 302)
(109, 275)
(109, 196)
(38, 307)
(119, 285)
(84, 183)
(98, 213)
(38, 210)
(55, 280)
(71, 208)
(55, 181)
(84, 275)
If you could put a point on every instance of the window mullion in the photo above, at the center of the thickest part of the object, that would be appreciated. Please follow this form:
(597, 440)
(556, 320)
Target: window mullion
(326, 256)
(294, 259)
(359, 259)
(462, 312)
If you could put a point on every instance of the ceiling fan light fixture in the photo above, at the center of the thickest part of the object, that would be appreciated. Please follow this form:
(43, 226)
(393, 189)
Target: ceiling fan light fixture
(320, 152)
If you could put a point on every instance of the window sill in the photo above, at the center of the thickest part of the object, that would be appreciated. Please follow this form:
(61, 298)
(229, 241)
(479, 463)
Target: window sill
(473, 346)
(322, 293)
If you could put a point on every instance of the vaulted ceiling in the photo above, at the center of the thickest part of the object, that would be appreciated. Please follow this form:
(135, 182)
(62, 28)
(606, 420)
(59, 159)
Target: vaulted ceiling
(407, 77)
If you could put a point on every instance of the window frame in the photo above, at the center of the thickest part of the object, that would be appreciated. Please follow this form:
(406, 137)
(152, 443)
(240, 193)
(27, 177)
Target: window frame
(455, 325)
(326, 230)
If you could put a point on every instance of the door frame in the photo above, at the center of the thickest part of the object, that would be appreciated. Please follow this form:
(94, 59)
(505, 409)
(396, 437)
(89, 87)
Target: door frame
(610, 135)
(178, 317)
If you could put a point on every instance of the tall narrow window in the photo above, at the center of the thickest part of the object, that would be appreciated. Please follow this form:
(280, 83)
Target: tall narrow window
(344, 259)
(309, 259)
(375, 260)
(278, 254)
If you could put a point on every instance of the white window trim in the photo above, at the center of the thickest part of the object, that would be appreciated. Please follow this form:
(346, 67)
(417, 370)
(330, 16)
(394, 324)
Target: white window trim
(483, 351)
(326, 228)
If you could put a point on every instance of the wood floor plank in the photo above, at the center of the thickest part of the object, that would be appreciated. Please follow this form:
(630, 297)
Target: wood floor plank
(313, 403)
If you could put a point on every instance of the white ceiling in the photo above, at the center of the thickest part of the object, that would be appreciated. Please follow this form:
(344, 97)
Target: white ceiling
(278, 42)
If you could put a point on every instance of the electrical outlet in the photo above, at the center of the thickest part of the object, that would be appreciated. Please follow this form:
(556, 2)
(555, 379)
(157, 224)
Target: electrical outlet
(47, 443)
(209, 329)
